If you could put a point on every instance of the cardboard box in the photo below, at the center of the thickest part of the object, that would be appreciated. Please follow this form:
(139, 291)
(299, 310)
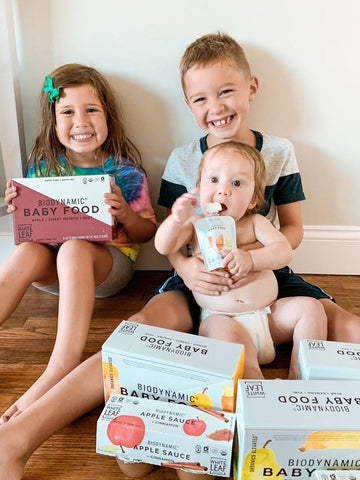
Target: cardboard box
(166, 434)
(320, 359)
(336, 475)
(287, 429)
(150, 362)
(56, 209)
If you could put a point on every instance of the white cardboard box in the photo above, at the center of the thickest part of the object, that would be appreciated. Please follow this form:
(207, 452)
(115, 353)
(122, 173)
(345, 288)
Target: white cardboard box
(287, 429)
(319, 359)
(166, 434)
(336, 475)
(56, 209)
(150, 362)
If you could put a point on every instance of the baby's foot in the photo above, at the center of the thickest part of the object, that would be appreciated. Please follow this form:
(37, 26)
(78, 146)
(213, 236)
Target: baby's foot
(37, 390)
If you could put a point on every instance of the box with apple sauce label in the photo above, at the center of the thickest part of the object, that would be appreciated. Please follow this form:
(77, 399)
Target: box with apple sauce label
(56, 209)
(166, 434)
(160, 364)
(336, 475)
(287, 429)
(319, 359)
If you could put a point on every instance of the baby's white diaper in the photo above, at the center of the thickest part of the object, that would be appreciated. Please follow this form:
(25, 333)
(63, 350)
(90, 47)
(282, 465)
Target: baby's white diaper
(257, 324)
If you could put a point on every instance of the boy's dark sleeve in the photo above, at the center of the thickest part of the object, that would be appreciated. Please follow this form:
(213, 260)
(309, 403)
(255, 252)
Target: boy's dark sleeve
(169, 192)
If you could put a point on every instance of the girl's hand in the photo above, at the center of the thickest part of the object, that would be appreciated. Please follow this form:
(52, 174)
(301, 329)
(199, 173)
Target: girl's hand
(238, 262)
(184, 207)
(118, 206)
(10, 194)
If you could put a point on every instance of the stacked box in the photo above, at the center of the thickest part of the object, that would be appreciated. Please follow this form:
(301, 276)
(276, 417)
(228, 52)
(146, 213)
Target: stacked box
(166, 434)
(159, 364)
(320, 359)
(288, 429)
(56, 209)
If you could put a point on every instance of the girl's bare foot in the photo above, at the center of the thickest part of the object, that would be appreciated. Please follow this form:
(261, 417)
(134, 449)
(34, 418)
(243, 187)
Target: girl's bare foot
(11, 463)
(44, 383)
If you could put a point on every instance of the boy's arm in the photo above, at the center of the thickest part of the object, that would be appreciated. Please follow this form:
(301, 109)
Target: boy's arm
(290, 220)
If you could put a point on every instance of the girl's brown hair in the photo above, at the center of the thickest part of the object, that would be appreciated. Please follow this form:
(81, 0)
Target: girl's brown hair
(259, 168)
(47, 148)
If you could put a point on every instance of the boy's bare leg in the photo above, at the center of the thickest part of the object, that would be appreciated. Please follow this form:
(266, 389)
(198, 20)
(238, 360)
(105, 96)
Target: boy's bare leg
(343, 326)
(80, 266)
(27, 263)
(227, 329)
(79, 392)
(167, 310)
(293, 319)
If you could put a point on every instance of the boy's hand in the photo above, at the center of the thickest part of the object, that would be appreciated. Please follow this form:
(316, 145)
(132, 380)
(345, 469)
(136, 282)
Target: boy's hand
(118, 206)
(10, 194)
(184, 207)
(195, 276)
(238, 262)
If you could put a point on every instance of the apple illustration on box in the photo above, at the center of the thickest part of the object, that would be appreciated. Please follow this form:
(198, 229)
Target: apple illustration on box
(194, 427)
(126, 431)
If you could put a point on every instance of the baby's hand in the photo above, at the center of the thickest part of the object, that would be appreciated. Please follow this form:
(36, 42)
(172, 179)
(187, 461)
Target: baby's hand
(10, 194)
(238, 262)
(184, 207)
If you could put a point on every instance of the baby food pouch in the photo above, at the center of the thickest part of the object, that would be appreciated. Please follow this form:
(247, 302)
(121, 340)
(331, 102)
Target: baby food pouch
(215, 234)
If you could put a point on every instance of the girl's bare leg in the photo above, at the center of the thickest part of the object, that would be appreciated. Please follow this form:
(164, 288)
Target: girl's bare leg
(79, 392)
(80, 266)
(293, 319)
(227, 329)
(27, 263)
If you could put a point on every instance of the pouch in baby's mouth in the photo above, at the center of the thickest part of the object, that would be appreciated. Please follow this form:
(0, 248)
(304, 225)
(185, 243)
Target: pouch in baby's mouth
(215, 234)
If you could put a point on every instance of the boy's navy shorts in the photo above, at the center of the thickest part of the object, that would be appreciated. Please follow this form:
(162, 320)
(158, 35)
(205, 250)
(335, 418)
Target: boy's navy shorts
(290, 285)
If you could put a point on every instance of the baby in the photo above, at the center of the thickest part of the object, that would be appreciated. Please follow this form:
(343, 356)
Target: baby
(231, 180)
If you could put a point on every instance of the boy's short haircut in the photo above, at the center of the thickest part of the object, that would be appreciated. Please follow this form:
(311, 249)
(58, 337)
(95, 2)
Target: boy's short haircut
(251, 154)
(213, 48)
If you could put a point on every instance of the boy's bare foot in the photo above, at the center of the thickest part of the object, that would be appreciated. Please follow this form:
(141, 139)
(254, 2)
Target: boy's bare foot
(37, 390)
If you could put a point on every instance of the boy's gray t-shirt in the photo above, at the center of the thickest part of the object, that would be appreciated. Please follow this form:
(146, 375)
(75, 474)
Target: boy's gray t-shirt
(283, 180)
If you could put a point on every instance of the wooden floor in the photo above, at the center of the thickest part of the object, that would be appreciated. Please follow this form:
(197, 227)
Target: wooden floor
(27, 339)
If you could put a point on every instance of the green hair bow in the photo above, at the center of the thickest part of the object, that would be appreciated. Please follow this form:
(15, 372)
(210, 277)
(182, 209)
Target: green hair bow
(54, 93)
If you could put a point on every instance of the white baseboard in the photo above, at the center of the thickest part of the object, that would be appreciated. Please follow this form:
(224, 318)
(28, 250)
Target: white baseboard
(333, 250)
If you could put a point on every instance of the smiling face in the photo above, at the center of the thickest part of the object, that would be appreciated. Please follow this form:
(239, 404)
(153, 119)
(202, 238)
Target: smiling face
(219, 95)
(80, 124)
(227, 177)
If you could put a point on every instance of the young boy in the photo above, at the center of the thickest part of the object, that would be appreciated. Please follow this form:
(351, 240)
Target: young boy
(219, 88)
(232, 178)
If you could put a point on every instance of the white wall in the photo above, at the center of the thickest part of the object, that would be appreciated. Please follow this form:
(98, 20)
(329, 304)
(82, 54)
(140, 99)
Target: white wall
(306, 55)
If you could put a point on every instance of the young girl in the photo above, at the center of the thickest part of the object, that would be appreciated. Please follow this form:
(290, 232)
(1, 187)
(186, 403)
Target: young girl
(80, 134)
(232, 175)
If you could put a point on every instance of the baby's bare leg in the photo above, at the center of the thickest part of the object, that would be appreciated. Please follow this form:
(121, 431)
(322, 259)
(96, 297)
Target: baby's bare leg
(79, 392)
(293, 319)
(80, 265)
(227, 329)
